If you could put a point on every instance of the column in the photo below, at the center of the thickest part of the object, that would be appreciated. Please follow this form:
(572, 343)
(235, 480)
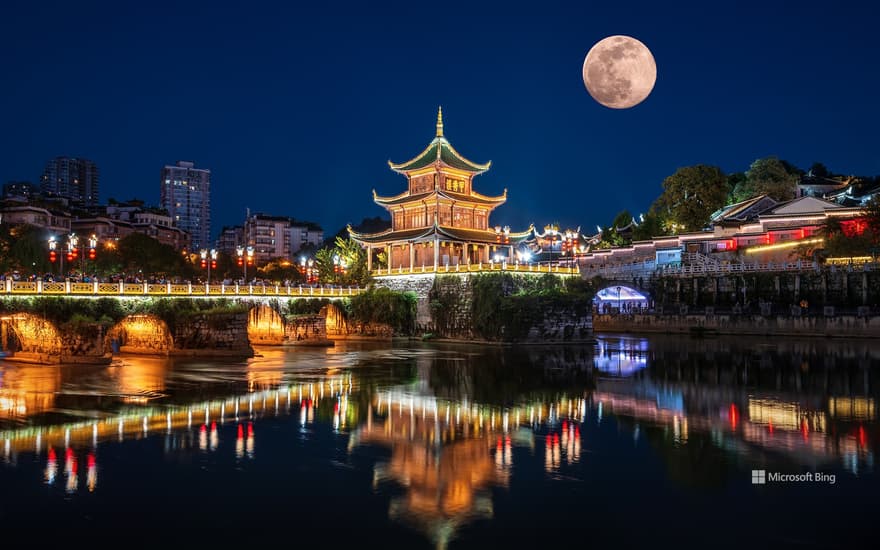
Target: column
(388, 256)
(369, 258)
(436, 252)
(488, 253)
(412, 256)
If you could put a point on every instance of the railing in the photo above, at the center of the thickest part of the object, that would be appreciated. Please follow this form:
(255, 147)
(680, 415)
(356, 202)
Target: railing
(24, 288)
(477, 268)
(684, 269)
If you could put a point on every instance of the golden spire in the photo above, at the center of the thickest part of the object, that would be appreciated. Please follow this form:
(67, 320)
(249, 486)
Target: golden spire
(440, 121)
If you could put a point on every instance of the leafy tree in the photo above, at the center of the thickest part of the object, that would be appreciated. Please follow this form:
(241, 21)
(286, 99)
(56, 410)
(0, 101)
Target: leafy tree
(344, 263)
(25, 248)
(771, 176)
(279, 270)
(144, 254)
(819, 170)
(690, 196)
(651, 226)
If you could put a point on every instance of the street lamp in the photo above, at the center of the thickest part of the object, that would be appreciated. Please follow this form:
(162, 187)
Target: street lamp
(212, 264)
(53, 244)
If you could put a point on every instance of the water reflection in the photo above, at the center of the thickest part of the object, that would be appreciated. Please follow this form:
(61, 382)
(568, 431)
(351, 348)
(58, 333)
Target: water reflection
(445, 430)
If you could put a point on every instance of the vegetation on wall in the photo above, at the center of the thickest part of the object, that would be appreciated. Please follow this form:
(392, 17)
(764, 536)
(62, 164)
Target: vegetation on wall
(384, 306)
(109, 311)
(504, 307)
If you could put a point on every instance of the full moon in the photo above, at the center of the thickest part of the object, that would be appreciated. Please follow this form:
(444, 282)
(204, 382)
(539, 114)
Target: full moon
(619, 72)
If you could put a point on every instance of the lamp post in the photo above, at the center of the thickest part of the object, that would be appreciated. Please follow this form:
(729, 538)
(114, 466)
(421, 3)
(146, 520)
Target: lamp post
(206, 264)
(53, 244)
(336, 268)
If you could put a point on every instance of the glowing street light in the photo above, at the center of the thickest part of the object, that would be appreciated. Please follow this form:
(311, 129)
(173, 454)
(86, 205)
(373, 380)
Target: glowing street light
(245, 258)
(212, 264)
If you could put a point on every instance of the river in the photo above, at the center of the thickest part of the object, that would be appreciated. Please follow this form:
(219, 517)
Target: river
(656, 440)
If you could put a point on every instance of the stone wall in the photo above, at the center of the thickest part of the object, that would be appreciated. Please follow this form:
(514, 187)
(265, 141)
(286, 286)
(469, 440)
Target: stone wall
(213, 334)
(421, 285)
(840, 287)
(561, 325)
(306, 330)
(445, 310)
(776, 325)
(139, 334)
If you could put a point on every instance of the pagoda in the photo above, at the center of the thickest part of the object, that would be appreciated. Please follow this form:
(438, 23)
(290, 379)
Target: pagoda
(439, 221)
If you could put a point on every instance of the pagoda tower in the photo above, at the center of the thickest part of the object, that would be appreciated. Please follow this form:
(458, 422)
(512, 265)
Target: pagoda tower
(439, 221)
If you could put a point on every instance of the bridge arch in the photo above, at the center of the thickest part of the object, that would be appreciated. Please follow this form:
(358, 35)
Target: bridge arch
(30, 334)
(265, 325)
(618, 296)
(140, 334)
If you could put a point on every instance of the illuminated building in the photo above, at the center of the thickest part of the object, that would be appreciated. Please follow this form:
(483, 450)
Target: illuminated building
(439, 220)
(756, 230)
(71, 178)
(185, 193)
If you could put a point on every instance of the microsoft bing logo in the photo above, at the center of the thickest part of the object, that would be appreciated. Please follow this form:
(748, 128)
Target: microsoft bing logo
(759, 477)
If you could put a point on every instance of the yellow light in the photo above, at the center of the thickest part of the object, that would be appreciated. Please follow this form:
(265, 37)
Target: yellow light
(847, 260)
(780, 246)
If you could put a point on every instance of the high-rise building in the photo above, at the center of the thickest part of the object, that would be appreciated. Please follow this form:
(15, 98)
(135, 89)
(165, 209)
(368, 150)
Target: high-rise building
(304, 234)
(186, 195)
(20, 190)
(269, 235)
(72, 178)
(231, 237)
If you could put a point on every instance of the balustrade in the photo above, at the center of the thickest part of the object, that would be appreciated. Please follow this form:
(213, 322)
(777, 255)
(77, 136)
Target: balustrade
(165, 289)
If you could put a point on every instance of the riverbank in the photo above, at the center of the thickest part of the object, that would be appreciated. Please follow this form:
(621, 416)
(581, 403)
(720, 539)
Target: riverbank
(842, 326)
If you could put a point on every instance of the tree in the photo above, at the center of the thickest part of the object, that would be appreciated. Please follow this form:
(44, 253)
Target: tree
(25, 248)
(690, 196)
(142, 253)
(819, 170)
(344, 263)
(771, 176)
(650, 226)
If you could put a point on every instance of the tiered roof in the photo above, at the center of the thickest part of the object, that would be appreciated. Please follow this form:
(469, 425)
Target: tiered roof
(439, 150)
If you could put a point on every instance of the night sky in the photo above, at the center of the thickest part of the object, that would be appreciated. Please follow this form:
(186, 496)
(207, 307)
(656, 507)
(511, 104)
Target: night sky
(297, 112)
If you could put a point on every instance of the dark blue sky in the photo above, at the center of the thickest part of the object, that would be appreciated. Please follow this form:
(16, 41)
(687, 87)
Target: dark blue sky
(296, 110)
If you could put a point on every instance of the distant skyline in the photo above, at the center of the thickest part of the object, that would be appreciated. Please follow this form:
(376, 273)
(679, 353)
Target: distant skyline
(297, 109)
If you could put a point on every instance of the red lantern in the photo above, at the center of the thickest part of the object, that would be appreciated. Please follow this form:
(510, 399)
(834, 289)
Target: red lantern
(204, 263)
(213, 264)
(92, 253)
(240, 262)
(70, 256)
(52, 256)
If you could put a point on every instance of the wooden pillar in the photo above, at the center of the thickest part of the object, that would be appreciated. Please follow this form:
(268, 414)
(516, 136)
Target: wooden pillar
(777, 286)
(797, 286)
(488, 253)
(388, 256)
(696, 281)
(369, 257)
(436, 252)
(864, 288)
(412, 256)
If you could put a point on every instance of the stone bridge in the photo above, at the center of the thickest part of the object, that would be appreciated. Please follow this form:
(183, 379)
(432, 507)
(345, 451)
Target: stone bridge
(38, 334)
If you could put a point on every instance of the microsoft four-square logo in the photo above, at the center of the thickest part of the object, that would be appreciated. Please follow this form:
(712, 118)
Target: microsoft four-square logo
(759, 477)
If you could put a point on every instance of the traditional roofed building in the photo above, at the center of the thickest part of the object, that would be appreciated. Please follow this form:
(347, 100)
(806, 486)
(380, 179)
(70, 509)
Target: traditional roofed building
(440, 221)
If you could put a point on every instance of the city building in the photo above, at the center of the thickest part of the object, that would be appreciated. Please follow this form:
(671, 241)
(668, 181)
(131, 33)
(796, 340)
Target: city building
(54, 221)
(269, 235)
(22, 191)
(151, 221)
(439, 220)
(75, 179)
(758, 230)
(186, 194)
(231, 237)
(304, 235)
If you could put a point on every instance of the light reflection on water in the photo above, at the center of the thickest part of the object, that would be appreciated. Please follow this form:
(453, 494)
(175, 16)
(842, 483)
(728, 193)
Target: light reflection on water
(447, 431)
